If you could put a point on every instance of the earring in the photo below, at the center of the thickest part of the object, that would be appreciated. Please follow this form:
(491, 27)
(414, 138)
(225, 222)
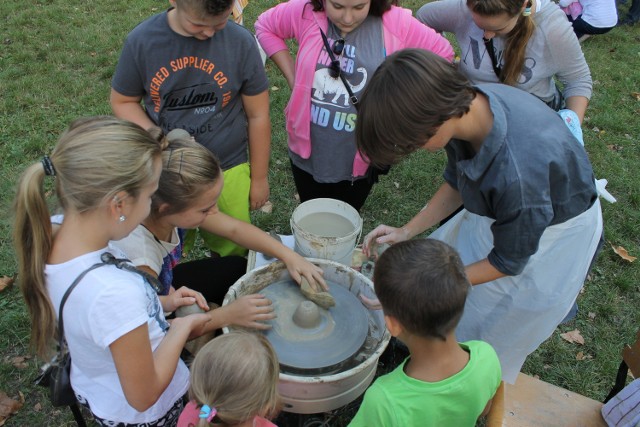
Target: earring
(122, 218)
(527, 9)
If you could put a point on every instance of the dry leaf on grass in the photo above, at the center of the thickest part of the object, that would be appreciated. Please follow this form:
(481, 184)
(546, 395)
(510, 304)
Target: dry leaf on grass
(267, 207)
(8, 406)
(573, 337)
(37, 407)
(274, 88)
(5, 282)
(636, 95)
(622, 253)
(582, 356)
(592, 315)
(20, 362)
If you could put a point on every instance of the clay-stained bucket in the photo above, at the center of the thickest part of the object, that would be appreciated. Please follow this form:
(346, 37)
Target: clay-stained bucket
(326, 229)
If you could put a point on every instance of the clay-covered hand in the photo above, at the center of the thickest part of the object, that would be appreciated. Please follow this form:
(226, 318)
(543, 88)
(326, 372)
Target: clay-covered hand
(183, 296)
(250, 311)
(197, 324)
(258, 193)
(299, 267)
(383, 234)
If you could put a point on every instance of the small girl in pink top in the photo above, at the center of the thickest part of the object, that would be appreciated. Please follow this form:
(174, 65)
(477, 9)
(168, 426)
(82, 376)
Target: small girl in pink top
(234, 381)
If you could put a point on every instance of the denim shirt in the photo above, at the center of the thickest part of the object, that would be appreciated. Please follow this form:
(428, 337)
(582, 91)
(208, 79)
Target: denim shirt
(530, 173)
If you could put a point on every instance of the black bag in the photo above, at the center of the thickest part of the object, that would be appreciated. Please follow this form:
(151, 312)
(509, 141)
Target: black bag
(56, 376)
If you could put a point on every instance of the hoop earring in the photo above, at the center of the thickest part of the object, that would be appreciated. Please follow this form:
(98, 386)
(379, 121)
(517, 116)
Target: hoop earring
(122, 218)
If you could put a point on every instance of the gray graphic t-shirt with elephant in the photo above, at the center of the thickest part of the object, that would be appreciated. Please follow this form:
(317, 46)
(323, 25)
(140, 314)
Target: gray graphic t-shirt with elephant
(333, 116)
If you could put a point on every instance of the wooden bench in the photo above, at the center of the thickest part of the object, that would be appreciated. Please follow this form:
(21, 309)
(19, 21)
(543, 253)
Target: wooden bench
(532, 402)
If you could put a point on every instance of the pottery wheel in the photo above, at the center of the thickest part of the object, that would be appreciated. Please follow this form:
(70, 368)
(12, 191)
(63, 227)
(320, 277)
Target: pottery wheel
(306, 336)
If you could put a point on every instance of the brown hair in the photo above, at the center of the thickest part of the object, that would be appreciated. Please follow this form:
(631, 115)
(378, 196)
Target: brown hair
(188, 169)
(423, 284)
(409, 97)
(204, 8)
(377, 8)
(94, 159)
(516, 40)
(237, 374)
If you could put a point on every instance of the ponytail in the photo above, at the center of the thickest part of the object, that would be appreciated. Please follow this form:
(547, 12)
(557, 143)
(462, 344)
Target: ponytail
(33, 241)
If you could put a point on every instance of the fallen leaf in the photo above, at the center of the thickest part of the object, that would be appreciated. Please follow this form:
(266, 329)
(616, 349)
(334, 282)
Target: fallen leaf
(5, 282)
(267, 207)
(8, 407)
(622, 253)
(636, 95)
(93, 54)
(396, 184)
(274, 88)
(545, 367)
(19, 362)
(596, 130)
(614, 147)
(37, 407)
(592, 315)
(297, 197)
(582, 356)
(573, 337)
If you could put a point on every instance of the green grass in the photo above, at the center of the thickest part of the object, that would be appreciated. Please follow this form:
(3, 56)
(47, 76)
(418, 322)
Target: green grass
(56, 61)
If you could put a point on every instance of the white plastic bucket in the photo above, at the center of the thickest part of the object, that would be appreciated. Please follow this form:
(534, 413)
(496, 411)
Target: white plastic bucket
(312, 245)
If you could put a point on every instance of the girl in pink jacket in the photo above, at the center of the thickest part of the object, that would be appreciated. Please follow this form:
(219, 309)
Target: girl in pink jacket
(340, 45)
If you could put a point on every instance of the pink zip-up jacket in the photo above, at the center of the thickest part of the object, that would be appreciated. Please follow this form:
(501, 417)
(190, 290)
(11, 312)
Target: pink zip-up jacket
(296, 19)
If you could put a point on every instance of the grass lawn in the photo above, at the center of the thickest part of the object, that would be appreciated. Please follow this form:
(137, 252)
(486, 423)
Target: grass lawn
(56, 61)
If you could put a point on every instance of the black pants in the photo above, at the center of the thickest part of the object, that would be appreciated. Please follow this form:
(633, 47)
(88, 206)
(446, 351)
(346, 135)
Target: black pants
(210, 276)
(354, 193)
(581, 27)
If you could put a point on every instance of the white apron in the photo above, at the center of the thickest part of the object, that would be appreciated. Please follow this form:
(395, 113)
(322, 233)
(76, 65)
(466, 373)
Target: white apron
(515, 314)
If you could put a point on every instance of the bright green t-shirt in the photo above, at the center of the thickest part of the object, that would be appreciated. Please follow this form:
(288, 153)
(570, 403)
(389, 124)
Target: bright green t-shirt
(396, 399)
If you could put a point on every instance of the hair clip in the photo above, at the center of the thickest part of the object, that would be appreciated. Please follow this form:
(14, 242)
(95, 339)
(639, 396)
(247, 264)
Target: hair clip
(206, 412)
(47, 164)
(527, 9)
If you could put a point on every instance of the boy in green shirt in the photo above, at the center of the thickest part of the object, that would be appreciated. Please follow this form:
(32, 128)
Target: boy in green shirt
(422, 287)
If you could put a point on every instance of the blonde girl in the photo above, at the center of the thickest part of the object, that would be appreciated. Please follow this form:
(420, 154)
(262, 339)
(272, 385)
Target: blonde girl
(125, 358)
(234, 382)
(523, 43)
(187, 195)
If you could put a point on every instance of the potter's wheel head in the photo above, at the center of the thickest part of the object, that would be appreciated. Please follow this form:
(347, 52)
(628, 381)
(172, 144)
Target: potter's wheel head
(307, 337)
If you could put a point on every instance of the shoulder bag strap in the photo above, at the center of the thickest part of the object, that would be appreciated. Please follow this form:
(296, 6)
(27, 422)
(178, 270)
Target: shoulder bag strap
(352, 97)
(107, 259)
(488, 44)
(61, 340)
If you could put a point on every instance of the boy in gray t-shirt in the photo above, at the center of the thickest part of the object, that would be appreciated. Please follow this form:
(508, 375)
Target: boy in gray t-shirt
(190, 68)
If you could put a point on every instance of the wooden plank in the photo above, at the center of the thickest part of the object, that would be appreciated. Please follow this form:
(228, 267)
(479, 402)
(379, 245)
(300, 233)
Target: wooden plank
(531, 402)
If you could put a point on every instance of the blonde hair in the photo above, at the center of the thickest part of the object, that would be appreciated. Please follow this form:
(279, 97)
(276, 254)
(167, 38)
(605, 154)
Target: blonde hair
(94, 159)
(517, 39)
(237, 374)
(188, 169)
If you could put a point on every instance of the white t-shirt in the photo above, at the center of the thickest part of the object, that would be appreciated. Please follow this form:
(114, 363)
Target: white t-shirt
(107, 304)
(142, 248)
